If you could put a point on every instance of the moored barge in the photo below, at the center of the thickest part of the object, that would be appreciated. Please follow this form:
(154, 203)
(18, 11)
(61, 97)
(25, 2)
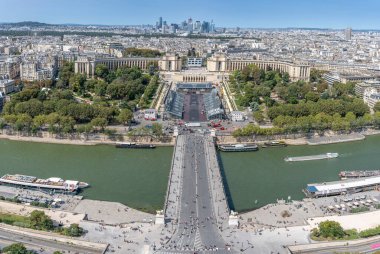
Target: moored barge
(53, 184)
(358, 174)
(238, 148)
(274, 144)
(134, 146)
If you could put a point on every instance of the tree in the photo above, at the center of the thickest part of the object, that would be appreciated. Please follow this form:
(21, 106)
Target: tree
(100, 88)
(74, 230)
(311, 96)
(65, 73)
(376, 108)
(254, 106)
(128, 52)
(77, 82)
(32, 107)
(99, 122)
(315, 75)
(16, 248)
(258, 116)
(330, 229)
(101, 71)
(39, 220)
(125, 116)
(24, 121)
(52, 119)
(157, 129)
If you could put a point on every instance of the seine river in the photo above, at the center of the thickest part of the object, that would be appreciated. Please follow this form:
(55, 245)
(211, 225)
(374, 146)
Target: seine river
(138, 178)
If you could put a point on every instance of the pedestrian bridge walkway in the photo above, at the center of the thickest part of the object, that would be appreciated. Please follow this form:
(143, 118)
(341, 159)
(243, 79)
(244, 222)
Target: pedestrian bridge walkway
(175, 178)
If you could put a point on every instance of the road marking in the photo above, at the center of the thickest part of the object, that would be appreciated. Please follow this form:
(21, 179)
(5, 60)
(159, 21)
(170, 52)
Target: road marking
(197, 241)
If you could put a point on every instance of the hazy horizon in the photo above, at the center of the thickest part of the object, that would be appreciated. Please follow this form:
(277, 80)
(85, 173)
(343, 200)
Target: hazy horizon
(269, 14)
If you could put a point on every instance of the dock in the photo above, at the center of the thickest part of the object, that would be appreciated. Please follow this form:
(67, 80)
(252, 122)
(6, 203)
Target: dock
(316, 190)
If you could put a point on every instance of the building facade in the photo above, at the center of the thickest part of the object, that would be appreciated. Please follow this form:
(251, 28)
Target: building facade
(10, 68)
(7, 86)
(31, 71)
(170, 62)
(361, 87)
(86, 65)
(371, 97)
(221, 63)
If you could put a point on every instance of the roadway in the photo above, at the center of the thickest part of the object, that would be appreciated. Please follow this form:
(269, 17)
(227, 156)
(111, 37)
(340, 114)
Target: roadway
(41, 245)
(364, 247)
(196, 226)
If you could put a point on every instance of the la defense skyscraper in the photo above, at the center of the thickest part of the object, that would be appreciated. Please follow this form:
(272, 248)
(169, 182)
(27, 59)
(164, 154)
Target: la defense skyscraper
(159, 23)
(348, 33)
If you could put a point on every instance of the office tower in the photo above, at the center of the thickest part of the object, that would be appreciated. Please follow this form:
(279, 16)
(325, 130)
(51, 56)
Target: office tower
(348, 33)
(160, 22)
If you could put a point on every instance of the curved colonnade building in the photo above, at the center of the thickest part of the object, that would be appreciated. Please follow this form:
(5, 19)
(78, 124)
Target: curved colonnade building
(221, 63)
(218, 63)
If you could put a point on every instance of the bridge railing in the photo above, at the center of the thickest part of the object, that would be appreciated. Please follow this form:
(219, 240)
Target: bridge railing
(219, 172)
(170, 177)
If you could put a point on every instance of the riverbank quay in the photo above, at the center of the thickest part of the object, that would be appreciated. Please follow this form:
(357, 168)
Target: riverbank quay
(300, 213)
(111, 213)
(360, 221)
(64, 218)
(98, 139)
(120, 228)
(335, 139)
(271, 232)
(328, 137)
(222, 139)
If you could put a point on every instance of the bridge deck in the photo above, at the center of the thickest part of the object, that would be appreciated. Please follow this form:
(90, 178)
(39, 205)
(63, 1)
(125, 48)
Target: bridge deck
(196, 202)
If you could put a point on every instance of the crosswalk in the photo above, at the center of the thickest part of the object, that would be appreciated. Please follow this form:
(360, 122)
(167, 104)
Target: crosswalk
(197, 240)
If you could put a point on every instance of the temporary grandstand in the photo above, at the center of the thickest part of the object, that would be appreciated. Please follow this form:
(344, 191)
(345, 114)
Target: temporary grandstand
(194, 86)
(213, 105)
(174, 104)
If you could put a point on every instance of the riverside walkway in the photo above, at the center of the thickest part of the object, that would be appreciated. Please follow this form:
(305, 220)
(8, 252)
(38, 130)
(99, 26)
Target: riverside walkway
(196, 208)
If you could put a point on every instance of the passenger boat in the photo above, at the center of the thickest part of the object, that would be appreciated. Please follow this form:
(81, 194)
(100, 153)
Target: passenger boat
(274, 144)
(134, 146)
(358, 174)
(238, 148)
(313, 157)
(54, 184)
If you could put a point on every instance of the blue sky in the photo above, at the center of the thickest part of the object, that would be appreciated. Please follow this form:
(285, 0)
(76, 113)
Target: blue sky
(359, 14)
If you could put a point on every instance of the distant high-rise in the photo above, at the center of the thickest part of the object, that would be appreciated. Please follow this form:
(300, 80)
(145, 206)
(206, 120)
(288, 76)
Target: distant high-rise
(197, 25)
(160, 22)
(348, 33)
(205, 27)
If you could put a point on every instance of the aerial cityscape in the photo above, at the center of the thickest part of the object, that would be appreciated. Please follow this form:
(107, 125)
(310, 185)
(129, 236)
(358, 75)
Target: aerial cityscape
(175, 127)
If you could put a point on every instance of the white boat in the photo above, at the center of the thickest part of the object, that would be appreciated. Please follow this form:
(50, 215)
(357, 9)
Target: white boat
(238, 148)
(55, 184)
(313, 157)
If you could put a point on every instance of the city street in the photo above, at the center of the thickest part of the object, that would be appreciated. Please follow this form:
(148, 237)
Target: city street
(42, 244)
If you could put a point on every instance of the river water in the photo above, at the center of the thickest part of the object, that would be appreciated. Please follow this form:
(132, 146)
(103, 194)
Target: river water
(258, 178)
(138, 178)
